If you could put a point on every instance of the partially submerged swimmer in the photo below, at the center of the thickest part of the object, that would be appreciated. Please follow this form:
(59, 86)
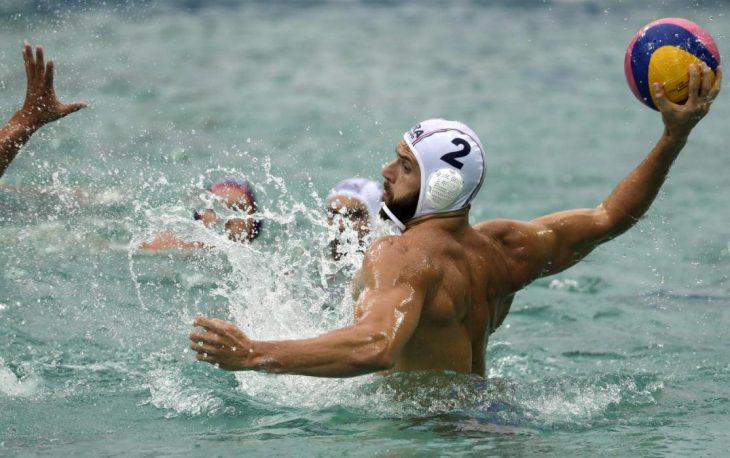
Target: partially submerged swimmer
(434, 294)
(238, 196)
(353, 204)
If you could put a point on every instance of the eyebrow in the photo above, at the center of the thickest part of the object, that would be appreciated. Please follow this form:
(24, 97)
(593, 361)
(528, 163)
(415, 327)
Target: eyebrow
(402, 155)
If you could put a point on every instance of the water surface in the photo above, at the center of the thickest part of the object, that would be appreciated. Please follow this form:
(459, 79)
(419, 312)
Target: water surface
(625, 354)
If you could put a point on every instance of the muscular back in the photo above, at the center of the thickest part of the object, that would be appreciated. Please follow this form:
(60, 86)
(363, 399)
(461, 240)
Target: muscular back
(468, 294)
(443, 286)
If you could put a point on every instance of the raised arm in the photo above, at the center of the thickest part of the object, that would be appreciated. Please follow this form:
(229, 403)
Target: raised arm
(388, 311)
(41, 106)
(552, 243)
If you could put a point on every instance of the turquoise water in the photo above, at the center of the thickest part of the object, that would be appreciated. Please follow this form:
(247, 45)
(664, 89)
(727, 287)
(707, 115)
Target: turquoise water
(625, 354)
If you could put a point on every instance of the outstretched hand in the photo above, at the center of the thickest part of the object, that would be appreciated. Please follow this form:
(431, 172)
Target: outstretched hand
(222, 343)
(680, 119)
(41, 105)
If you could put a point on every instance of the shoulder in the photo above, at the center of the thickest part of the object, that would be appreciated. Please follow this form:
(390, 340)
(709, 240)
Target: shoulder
(397, 258)
(394, 249)
(513, 235)
(501, 228)
(525, 246)
(385, 246)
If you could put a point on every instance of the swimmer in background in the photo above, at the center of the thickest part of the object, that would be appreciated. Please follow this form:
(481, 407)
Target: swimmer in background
(41, 106)
(433, 295)
(238, 196)
(353, 206)
(353, 203)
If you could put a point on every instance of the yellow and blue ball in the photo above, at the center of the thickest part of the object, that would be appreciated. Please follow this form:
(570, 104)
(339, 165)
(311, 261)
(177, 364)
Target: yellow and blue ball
(661, 53)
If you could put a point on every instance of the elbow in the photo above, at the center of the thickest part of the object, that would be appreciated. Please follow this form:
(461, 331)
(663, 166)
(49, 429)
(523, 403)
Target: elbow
(382, 362)
(376, 354)
(614, 222)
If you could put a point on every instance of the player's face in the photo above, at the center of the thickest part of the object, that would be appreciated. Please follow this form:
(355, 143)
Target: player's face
(402, 183)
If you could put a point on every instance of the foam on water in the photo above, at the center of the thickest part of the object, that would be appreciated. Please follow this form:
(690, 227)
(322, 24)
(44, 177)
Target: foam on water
(14, 386)
(169, 390)
(578, 403)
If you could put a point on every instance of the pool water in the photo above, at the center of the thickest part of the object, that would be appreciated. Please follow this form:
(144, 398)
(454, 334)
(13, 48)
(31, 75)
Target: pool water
(626, 354)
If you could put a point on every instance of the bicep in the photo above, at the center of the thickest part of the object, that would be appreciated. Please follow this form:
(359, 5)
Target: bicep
(549, 244)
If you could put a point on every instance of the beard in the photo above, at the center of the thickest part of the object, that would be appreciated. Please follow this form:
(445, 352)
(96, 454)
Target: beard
(403, 208)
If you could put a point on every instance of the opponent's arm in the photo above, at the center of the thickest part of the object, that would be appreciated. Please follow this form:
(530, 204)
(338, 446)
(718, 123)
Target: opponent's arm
(168, 240)
(552, 243)
(390, 309)
(41, 106)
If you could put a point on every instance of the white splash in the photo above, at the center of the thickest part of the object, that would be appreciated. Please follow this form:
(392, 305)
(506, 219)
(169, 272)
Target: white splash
(11, 385)
(170, 390)
(283, 285)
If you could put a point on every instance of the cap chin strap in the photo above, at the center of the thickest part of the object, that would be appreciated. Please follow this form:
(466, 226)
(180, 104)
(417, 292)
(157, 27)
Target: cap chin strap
(393, 218)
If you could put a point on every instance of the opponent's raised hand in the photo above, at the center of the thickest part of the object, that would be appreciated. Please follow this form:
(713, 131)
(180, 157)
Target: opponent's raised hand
(41, 105)
(680, 119)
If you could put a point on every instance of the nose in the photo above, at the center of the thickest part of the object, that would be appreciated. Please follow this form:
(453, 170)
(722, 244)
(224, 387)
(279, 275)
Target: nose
(388, 171)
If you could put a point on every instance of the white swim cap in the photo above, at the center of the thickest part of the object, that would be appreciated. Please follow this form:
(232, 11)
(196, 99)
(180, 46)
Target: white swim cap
(452, 163)
(366, 191)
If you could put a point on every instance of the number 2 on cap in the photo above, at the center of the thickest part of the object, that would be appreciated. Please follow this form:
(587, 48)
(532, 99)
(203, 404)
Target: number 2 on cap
(450, 158)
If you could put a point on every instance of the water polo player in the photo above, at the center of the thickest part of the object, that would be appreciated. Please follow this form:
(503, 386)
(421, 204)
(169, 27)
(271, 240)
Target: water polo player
(352, 208)
(238, 196)
(435, 293)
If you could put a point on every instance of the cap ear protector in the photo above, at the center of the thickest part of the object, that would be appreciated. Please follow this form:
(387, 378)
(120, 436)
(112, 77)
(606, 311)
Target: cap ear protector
(443, 188)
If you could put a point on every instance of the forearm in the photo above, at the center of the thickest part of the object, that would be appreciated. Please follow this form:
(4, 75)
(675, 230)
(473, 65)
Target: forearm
(345, 352)
(633, 196)
(13, 135)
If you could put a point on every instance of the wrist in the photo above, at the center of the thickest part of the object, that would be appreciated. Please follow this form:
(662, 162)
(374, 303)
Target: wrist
(24, 121)
(260, 358)
(676, 136)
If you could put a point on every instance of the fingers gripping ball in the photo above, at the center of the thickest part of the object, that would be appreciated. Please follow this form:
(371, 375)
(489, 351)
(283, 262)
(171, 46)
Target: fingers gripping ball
(661, 52)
